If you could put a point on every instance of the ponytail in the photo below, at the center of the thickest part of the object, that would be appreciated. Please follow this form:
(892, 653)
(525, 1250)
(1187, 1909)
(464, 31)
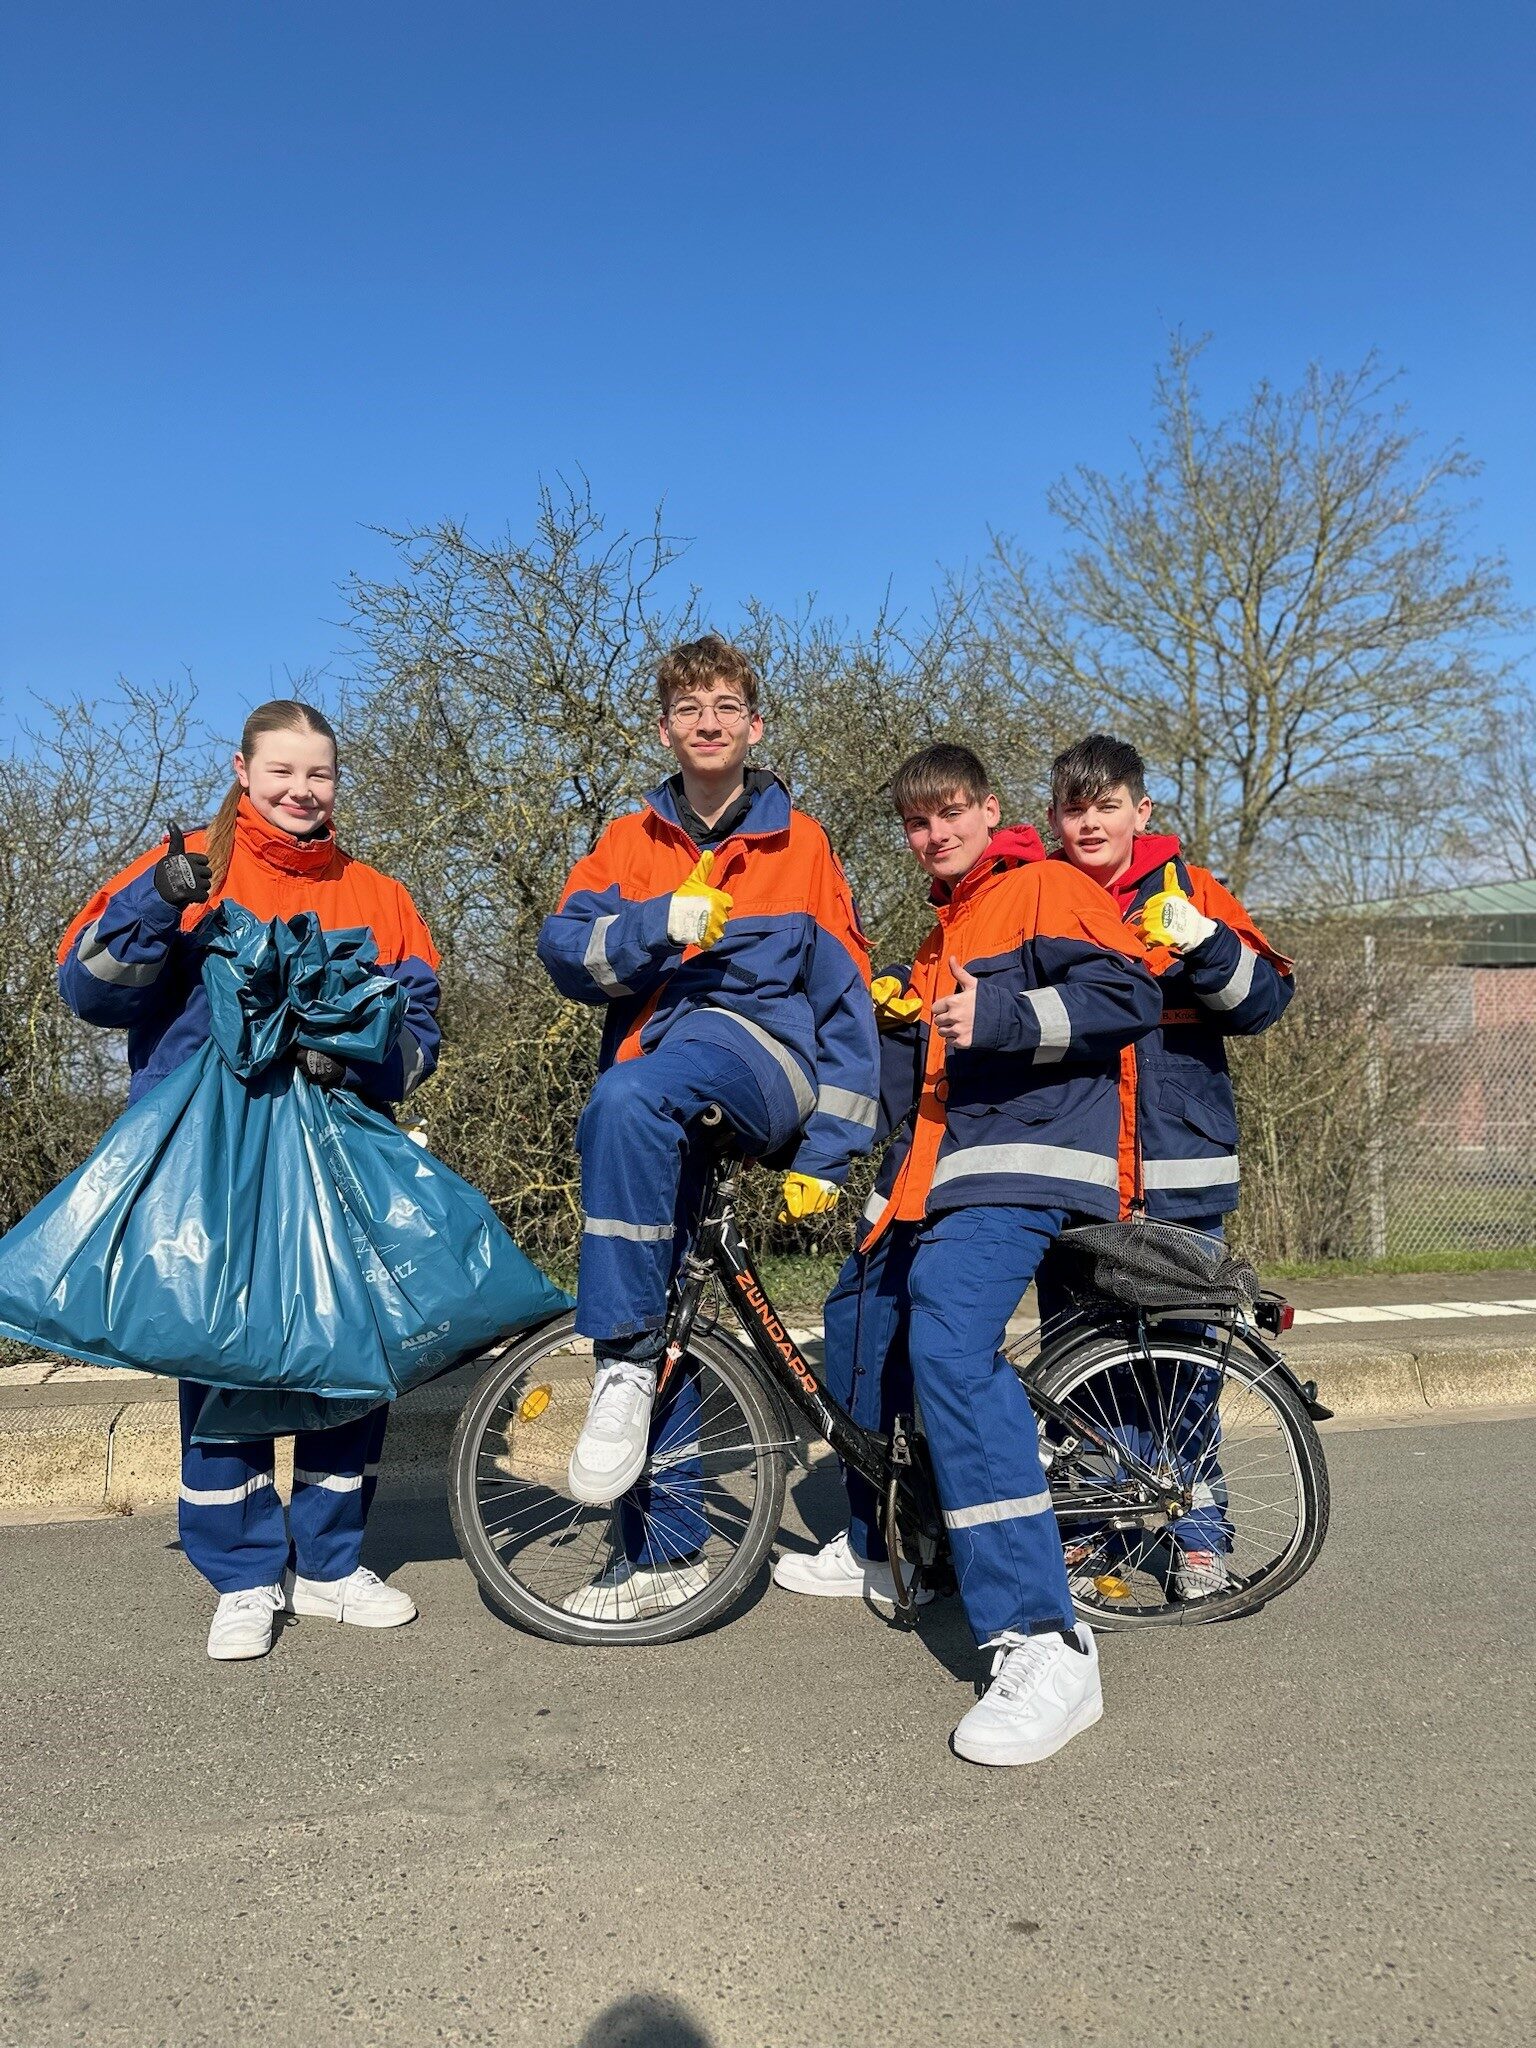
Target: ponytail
(221, 837)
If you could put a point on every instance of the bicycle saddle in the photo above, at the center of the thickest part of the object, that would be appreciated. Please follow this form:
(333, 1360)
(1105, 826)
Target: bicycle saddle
(714, 1129)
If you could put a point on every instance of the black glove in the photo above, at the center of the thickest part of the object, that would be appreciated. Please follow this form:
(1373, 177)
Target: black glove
(320, 1067)
(183, 877)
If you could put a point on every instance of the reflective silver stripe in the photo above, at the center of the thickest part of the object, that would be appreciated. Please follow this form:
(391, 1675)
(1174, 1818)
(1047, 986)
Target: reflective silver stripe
(1053, 1162)
(595, 959)
(224, 1496)
(876, 1207)
(413, 1060)
(97, 961)
(1236, 990)
(1189, 1173)
(1055, 1025)
(998, 1511)
(637, 1233)
(805, 1101)
(333, 1482)
(853, 1109)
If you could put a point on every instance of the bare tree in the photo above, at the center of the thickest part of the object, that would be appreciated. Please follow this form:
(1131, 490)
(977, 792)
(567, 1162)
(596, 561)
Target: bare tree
(87, 787)
(1498, 794)
(1268, 604)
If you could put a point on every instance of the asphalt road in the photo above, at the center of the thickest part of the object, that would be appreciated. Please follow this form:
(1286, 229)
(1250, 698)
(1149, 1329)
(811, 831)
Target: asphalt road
(1308, 1827)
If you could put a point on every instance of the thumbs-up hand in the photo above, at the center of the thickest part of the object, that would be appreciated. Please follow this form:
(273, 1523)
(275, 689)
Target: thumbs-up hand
(697, 913)
(181, 877)
(954, 1017)
(1170, 919)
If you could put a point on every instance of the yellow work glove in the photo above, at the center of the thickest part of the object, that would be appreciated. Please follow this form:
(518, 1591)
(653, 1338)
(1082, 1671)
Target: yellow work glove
(696, 915)
(805, 1194)
(1170, 919)
(892, 1007)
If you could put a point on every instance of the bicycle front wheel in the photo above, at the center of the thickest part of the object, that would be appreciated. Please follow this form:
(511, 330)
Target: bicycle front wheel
(1241, 1477)
(667, 1558)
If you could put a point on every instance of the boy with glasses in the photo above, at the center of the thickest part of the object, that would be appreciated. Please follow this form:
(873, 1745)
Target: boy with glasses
(716, 928)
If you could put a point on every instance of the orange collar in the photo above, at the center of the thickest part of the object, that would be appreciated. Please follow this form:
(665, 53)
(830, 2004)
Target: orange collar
(275, 848)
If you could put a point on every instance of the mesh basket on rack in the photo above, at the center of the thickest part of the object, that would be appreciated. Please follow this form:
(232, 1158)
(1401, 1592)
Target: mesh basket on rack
(1153, 1265)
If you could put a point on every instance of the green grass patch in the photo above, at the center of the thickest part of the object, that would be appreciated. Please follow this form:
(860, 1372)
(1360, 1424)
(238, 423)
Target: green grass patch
(1515, 1258)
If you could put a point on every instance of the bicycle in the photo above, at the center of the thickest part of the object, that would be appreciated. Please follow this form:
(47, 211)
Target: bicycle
(1151, 1417)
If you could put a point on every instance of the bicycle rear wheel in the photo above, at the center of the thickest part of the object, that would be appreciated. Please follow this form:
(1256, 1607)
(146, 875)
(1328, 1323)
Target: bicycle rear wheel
(1235, 1450)
(666, 1559)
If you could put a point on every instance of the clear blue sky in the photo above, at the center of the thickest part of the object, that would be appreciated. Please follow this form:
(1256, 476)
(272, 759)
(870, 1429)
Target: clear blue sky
(848, 284)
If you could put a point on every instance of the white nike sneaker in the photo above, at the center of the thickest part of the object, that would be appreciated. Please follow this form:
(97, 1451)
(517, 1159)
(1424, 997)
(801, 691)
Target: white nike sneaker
(243, 1623)
(610, 1453)
(627, 1592)
(836, 1573)
(361, 1598)
(1198, 1574)
(1042, 1694)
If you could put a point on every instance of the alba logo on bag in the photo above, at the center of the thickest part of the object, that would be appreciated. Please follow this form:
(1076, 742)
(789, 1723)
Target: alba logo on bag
(426, 1337)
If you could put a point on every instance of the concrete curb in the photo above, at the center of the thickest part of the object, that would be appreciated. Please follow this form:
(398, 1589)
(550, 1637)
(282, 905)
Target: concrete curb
(95, 1448)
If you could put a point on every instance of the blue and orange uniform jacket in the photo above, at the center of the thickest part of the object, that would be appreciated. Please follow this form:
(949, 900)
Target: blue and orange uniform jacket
(130, 959)
(1178, 1140)
(1029, 1113)
(791, 968)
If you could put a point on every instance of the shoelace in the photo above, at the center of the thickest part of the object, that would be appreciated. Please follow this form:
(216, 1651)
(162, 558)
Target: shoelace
(1017, 1667)
(254, 1600)
(619, 1395)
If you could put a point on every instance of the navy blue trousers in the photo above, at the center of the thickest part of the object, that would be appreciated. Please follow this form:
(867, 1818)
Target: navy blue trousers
(230, 1516)
(934, 1300)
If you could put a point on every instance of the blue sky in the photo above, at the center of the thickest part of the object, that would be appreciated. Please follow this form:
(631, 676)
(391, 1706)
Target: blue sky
(848, 284)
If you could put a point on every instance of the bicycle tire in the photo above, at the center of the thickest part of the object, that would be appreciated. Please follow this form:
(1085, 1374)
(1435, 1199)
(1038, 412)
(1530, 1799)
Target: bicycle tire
(736, 1369)
(1086, 1356)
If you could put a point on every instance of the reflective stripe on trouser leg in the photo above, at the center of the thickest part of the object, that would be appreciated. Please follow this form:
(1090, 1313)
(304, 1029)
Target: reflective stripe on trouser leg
(969, 1272)
(631, 1138)
(229, 1516)
(335, 1476)
(867, 1369)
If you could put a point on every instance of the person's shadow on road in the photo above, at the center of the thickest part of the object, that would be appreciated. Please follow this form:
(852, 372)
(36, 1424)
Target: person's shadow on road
(646, 2020)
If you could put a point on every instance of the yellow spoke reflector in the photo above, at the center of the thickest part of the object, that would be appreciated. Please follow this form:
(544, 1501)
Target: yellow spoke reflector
(533, 1403)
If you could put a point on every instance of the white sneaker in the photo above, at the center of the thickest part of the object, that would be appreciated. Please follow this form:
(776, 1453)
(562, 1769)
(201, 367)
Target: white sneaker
(243, 1623)
(627, 1592)
(1042, 1694)
(836, 1573)
(611, 1450)
(361, 1598)
(1198, 1574)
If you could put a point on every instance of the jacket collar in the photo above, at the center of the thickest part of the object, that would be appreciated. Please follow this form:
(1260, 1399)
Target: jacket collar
(274, 848)
(768, 811)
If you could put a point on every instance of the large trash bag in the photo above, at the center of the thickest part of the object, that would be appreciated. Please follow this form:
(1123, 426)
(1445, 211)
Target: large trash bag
(243, 1227)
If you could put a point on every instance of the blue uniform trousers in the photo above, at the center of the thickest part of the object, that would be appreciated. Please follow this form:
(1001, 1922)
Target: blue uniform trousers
(942, 1292)
(639, 1192)
(1184, 1407)
(231, 1519)
(867, 1368)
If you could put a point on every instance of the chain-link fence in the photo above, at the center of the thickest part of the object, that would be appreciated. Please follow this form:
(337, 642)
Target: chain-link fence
(1393, 1112)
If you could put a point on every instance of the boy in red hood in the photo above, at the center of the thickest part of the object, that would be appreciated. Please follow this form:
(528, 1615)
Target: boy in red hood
(1220, 978)
(1001, 1079)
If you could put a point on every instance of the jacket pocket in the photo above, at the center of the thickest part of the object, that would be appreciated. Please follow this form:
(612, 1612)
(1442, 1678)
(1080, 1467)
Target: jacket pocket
(1213, 1119)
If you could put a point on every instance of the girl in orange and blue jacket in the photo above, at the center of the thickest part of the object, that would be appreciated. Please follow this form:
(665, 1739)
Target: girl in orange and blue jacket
(131, 960)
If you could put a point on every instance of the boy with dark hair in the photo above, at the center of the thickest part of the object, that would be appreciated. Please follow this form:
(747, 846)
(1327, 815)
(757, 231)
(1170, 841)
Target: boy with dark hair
(1027, 988)
(1220, 978)
(717, 929)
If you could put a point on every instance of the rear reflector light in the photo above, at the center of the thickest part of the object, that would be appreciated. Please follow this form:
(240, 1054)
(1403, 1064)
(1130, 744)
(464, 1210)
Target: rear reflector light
(1287, 1315)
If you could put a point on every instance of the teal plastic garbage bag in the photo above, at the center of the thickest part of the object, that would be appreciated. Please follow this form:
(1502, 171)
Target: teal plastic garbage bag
(243, 1227)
